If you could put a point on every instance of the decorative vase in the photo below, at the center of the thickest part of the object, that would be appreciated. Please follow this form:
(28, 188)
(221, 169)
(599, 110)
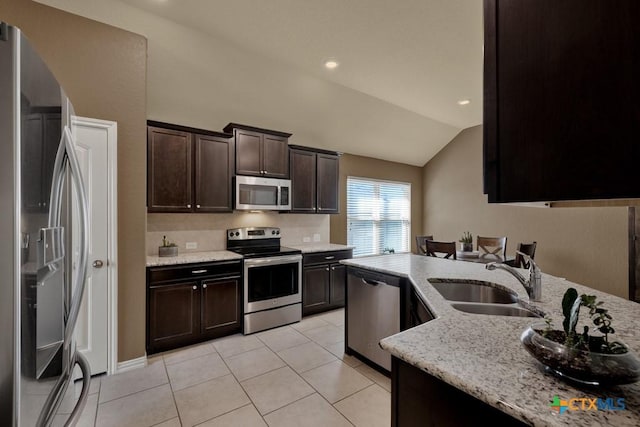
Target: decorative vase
(466, 247)
(166, 251)
(581, 366)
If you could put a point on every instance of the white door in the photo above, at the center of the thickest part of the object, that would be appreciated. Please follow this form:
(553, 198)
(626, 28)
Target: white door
(92, 139)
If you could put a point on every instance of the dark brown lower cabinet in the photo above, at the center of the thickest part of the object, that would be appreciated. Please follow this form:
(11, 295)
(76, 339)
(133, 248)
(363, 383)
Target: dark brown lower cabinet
(221, 307)
(338, 286)
(422, 400)
(190, 303)
(316, 289)
(324, 281)
(174, 311)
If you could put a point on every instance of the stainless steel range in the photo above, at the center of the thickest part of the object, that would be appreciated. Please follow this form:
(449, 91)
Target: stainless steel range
(272, 278)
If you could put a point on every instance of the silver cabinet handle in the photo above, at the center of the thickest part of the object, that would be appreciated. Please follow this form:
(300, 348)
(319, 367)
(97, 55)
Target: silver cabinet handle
(266, 172)
(198, 271)
(329, 257)
(195, 287)
(97, 263)
(197, 206)
(204, 286)
(189, 206)
(327, 268)
(333, 268)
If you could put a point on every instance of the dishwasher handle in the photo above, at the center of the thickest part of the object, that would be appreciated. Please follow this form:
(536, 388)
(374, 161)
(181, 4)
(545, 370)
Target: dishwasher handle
(372, 282)
(374, 278)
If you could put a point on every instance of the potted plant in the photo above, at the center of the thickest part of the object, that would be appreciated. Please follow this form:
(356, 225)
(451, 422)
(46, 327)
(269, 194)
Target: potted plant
(581, 356)
(466, 242)
(167, 249)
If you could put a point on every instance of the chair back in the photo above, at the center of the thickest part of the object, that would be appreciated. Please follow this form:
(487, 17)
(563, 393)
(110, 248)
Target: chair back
(496, 246)
(527, 249)
(445, 249)
(421, 244)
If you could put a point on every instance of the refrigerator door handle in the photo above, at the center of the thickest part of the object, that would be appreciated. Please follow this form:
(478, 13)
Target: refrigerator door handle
(83, 253)
(84, 394)
(59, 390)
(66, 158)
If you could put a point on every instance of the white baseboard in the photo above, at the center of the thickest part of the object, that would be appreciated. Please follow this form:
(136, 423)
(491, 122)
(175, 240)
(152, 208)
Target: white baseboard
(131, 364)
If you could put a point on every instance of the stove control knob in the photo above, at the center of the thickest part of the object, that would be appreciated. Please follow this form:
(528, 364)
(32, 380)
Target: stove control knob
(278, 232)
(273, 231)
(237, 233)
(230, 234)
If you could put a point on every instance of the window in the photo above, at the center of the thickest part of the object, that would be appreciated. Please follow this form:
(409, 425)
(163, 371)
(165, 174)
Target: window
(378, 215)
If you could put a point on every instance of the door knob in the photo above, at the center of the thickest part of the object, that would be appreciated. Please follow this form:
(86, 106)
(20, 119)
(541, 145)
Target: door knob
(97, 263)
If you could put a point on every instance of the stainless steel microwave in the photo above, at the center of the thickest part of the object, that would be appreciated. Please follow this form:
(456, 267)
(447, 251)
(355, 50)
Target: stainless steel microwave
(255, 193)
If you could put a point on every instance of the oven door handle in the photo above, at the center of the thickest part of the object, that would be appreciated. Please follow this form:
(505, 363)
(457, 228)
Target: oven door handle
(287, 259)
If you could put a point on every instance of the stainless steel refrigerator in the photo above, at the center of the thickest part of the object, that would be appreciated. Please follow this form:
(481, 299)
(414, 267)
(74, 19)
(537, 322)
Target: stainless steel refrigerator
(41, 279)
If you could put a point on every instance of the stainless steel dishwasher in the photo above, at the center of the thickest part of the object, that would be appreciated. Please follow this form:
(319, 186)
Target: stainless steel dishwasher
(373, 313)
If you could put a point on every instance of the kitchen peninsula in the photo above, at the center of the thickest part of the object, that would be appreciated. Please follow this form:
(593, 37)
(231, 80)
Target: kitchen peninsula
(481, 355)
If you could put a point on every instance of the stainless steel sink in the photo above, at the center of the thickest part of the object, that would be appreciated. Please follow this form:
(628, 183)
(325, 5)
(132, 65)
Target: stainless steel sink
(495, 309)
(473, 291)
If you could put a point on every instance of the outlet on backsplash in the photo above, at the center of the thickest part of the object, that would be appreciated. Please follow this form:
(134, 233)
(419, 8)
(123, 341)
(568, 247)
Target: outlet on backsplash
(316, 237)
(306, 239)
(192, 245)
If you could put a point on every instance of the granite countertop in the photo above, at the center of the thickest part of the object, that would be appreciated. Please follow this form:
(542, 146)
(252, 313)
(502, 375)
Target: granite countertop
(482, 354)
(308, 248)
(192, 257)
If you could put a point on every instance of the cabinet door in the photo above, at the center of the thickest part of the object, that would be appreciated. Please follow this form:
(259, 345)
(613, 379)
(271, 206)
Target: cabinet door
(338, 284)
(248, 152)
(315, 291)
(221, 307)
(560, 100)
(303, 180)
(32, 135)
(275, 156)
(213, 174)
(417, 312)
(174, 315)
(327, 181)
(169, 174)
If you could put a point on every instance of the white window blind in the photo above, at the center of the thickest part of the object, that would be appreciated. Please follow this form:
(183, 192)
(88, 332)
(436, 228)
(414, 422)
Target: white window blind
(378, 215)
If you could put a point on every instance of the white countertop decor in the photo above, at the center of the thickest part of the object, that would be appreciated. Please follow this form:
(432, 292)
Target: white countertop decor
(192, 257)
(482, 354)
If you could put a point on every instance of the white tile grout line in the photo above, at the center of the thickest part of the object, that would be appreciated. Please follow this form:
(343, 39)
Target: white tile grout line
(173, 395)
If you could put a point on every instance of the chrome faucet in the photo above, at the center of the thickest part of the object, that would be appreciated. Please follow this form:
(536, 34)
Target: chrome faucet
(533, 286)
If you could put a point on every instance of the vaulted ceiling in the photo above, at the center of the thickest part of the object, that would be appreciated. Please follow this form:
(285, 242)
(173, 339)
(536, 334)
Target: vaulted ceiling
(403, 67)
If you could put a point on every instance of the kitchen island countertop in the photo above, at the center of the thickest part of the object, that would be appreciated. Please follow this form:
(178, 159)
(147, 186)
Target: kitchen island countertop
(482, 354)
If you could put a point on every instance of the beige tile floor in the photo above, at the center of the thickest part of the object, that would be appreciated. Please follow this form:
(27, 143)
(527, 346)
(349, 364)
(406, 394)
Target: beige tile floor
(296, 375)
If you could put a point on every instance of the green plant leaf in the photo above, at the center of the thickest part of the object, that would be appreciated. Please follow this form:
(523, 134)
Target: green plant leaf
(569, 300)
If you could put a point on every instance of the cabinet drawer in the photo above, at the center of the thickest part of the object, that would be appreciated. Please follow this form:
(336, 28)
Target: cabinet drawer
(193, 271)
(326, 257)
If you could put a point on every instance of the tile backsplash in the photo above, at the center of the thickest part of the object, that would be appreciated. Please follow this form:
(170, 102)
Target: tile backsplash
(208, 231)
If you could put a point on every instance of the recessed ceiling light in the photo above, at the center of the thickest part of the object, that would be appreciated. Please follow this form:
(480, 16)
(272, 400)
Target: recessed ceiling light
(331, 64)
(464, 102)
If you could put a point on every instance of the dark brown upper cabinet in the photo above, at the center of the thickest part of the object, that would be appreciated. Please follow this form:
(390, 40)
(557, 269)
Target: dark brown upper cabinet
(260, 152)
(214, 173)
(189, 170)
(314, 180)
(561, 90)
